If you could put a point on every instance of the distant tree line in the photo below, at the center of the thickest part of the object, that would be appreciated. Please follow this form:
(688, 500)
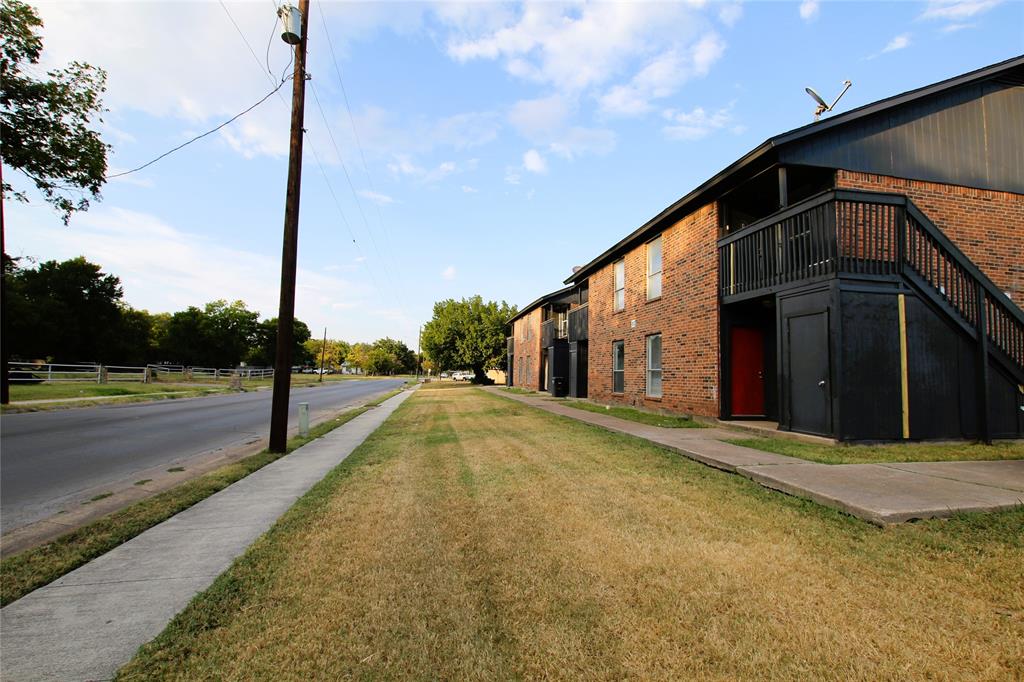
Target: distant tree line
(72, 311)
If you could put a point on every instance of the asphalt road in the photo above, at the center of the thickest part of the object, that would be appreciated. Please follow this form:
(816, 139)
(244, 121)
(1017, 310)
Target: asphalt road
(49, 458)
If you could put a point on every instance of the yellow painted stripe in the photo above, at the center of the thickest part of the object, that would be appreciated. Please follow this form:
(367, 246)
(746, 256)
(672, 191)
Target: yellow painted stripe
(904, 382)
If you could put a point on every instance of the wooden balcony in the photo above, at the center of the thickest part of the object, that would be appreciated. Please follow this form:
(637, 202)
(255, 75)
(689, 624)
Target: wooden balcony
(867, 235)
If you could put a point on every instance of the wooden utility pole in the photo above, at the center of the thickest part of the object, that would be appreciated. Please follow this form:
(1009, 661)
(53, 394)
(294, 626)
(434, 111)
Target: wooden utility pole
(323, 352)
(289, 252)
(5, 377)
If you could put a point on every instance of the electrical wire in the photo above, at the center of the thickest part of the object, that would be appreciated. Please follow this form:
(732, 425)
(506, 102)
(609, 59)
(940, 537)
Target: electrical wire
(352, 122)
(208, 132)
(395, 290)
(312, 148)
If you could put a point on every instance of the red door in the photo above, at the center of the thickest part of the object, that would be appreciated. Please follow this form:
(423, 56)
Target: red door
(747, 364)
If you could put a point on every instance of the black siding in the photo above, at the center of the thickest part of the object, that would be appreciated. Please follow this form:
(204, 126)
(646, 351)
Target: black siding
(969, 136)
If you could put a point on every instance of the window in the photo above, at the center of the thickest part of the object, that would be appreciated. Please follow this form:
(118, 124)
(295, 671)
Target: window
(618, 366)
(654, 268)
(620, 284)
(654, 365)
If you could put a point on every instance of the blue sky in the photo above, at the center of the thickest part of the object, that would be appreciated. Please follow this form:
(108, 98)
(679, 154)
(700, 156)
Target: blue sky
(490, 147)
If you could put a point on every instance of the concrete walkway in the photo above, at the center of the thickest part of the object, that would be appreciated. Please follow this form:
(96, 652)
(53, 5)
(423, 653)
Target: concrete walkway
(879, 493)
(89, 623)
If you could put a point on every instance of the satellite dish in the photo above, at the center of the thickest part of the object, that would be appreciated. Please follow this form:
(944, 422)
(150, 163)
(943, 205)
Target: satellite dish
(816, 97)
(822, 106)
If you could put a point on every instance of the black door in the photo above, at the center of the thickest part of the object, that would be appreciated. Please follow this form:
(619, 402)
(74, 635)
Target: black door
(809, 381)
(582, 367)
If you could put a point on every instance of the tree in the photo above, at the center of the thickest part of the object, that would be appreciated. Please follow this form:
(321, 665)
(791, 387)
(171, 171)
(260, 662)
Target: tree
(335, 354)
(388, 356)
(228, 331)
(45, 131)
(45, 123)
(263, 351)
(359, 356)
(468, 334)
(68, 311)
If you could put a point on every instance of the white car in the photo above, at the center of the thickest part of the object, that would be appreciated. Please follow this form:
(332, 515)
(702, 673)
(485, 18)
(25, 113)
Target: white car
(462, 376)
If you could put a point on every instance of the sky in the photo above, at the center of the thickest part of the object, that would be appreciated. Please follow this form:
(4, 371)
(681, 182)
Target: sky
(450, 149)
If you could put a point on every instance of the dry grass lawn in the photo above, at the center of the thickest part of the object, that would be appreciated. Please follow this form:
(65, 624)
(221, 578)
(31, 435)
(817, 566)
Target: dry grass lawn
(473, 537)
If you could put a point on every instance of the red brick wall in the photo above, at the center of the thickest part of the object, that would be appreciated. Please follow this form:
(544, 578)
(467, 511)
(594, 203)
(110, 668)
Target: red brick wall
(686, 315)
(526, 335)
(987, 226)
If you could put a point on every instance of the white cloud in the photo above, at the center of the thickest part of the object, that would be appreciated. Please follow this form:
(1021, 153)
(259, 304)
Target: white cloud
(536, 117)
(809, 9)
(662, 76)
(403, 165)
(164, 269)
(376, 197)
(448, 273)
(957, 10)
(953, 28)
(401, 138)
(579, 141)
(512, 177)
(469, 190)
(698, 123)
(578, 46)
(534, 162)
(898, 43)
(729, 14)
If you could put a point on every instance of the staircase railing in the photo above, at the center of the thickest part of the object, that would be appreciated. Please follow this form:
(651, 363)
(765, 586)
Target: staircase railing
(869, 235)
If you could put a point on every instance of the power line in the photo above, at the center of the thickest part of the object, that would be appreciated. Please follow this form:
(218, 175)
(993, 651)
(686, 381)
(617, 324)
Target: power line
(208, 132)
(323, 172)
(355, 196)
(352, 122)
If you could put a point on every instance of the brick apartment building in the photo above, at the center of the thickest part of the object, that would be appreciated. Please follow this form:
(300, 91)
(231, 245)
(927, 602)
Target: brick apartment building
(859, 277)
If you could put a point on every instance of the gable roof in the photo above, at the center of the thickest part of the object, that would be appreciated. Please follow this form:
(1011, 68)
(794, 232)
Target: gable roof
(1010, 71)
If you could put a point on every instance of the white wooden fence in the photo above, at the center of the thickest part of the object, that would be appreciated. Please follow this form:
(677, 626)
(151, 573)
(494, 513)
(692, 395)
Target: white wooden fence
(31, 372)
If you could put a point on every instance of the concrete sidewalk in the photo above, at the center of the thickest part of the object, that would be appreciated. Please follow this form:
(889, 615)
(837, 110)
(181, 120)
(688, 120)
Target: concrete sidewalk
(879, 493)
(89, 623)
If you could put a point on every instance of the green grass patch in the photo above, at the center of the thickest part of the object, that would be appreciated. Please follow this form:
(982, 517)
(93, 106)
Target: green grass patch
(518, 391)
(650, 418)
(33, 568)
(891, 452)
(460, 543)
(174, 470)
(97, 498)
(55, 391)
(144, 481)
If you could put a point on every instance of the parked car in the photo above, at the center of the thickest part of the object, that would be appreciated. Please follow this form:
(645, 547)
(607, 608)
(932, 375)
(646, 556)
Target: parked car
(463, 376)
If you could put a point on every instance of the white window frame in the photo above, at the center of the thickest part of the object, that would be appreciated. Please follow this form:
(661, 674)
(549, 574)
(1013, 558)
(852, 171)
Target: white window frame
(621, 370)
(619, 284)
(654, 276)
(652, 370)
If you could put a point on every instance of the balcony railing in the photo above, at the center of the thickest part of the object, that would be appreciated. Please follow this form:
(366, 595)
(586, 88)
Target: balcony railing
(868, 235)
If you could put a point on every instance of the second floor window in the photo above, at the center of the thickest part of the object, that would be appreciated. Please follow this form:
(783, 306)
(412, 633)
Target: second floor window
(654, 268)
(620, 284)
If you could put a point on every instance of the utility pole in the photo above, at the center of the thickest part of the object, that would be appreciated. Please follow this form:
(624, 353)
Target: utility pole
(323, 352)
(289, 251)
(5, 378)
(419, 359)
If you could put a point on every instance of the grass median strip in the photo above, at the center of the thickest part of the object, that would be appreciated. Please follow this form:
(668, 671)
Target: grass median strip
(634, 415)
(476, 538)
(894, 452)
(25, 571)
